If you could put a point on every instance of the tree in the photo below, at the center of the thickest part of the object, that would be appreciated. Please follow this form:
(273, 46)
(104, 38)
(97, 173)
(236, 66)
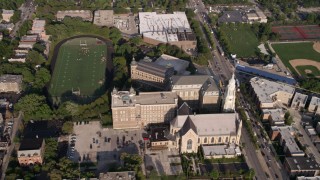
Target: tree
(39, 47)
(67, 127)
(42, 77)
(35, 57)
(34, 107)
(131, 161)
(214, 174)
(16, 17)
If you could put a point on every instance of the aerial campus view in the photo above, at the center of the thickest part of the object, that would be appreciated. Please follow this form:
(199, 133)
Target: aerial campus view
(160, 89)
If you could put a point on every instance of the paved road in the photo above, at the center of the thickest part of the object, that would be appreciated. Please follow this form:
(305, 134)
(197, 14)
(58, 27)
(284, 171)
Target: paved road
(276, 170)
(27, 9)
(219, 65)
(6, 158)
(251, 155)
(305, 139)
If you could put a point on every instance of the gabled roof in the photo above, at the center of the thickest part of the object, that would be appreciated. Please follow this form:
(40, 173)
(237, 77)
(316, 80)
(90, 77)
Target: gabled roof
(184, 109)
(187, 126)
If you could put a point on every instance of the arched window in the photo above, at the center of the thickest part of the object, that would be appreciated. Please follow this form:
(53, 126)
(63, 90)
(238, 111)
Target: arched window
(205, 140)
(233, 140)
(189, 144)
(198, 140)
(226, 139)
(219, 140)
(212, 140)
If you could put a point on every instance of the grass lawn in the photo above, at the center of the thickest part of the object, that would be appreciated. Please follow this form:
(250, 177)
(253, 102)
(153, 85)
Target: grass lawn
(79, 67)
(241, 40)
(315, 71)
(290, 51)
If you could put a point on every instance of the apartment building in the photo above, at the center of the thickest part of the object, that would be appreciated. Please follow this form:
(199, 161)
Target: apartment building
(7, 14)
(85, 15)
(274, 116)
(301, 166)
(149, 74)
(10, 83)
(199, 91)
(131, 110)
(31, 152)
(267, 93)
(314, 105)
(299, 101)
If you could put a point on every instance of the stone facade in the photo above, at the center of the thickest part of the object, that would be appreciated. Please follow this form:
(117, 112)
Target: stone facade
(136, 111)
(200, 92)
(151, 74)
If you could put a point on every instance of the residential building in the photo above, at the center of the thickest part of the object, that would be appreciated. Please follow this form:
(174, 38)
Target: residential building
(310, 131)
(7, 14)
(149, 74)
(179, 65)
(256, 16)
(18, 58)
(314, 105)
(285, 135)
(268, 93)
(199, 91)
(173, 29)
(31, 152)
(308, 178)
(159, 138)
(299, 101)
(123, 175)
(29, 38)
(318, 128)
(26, 45)
(301, 166)
(229, 100)
(38, 28)
(103, 18)
(274, 116)
(130, 110)
(85, 15)
(191, 131)
(10, 83)
(8, 26)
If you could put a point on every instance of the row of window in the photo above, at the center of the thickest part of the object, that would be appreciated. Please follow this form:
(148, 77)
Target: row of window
(209, 140)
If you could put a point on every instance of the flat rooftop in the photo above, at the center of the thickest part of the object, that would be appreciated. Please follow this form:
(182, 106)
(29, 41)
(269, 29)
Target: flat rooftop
(127, 99)
(165, 27)
(301, 98)
(277, 115)
(30, 144)
(8, 78)
(302, 163)
(232, 16)
(179, 65)
(264, 89)
(194, 82)
(286, 134)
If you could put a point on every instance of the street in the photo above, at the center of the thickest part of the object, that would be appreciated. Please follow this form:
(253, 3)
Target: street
(27, 9)
(220, 66)
(6, 158)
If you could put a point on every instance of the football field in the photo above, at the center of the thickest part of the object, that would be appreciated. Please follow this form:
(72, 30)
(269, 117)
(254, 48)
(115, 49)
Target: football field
(79, 68)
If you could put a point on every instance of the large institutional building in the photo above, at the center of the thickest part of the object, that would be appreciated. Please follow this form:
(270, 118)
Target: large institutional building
(192, 130)
(150, 74)
(199, 91)
(167, 28)
(130, 110)
(268, 93)
(10, 83)
(31, 152)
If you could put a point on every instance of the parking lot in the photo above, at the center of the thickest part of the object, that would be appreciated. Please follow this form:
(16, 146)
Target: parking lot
(164, 161)
(92, 143)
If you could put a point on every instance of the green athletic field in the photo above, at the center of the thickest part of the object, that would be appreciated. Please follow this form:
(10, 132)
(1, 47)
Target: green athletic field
(241, 40)
(314, 71)
(291, 51)
(79, 69)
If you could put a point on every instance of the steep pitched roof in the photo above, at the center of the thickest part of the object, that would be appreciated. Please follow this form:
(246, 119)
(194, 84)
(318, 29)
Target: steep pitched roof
(187, 126)
(184, 109)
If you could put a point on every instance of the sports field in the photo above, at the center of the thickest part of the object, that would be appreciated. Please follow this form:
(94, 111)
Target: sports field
(80, 68)
(241, 40)
(309, 71)
(296, 55)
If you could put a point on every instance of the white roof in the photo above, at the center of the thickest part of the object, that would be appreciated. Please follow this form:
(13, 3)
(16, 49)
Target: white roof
(163, 27)
(265, 89)
(179, 65)
(298, 97)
